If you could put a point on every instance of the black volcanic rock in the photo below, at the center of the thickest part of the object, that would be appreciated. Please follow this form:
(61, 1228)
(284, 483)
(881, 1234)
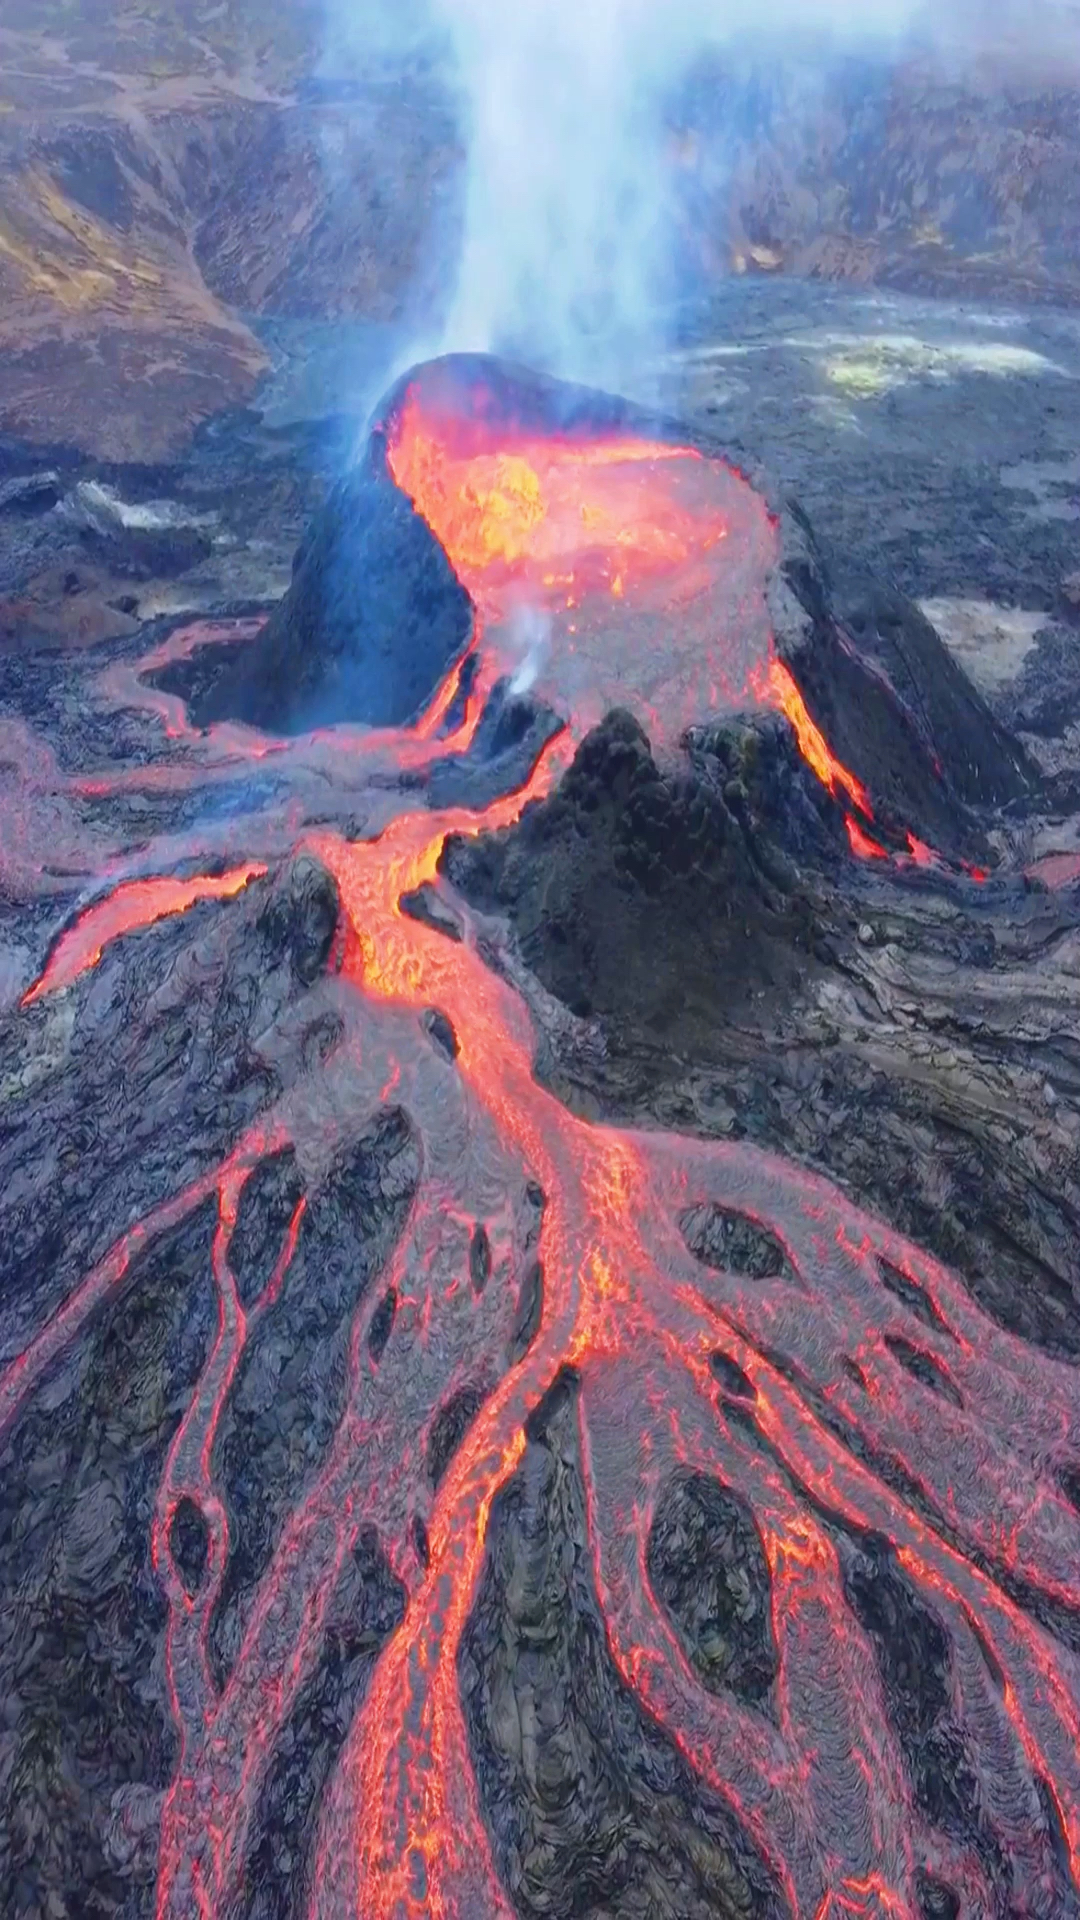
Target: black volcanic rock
(292, 1380)
(603, 1829)
(90, 1745)
(373, 619)
(147, 1044)
(268, 1201)
(708, 1569)
(890, 700)
(29, 494)
(511, 734)
(638, 894)
(128, 548)
(732, 1242)
(301, 916)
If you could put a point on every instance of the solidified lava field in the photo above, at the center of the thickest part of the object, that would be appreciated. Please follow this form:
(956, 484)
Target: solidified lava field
(421, 1496)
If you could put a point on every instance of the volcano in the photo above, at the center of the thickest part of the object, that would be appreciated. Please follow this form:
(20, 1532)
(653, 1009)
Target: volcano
(607, 559)
(430, 1492)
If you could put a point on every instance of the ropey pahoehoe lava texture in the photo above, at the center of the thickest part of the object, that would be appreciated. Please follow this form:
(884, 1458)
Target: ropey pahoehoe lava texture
(422, 1499)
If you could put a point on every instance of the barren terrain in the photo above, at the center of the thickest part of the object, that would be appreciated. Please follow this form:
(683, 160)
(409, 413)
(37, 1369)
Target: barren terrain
(177, 180)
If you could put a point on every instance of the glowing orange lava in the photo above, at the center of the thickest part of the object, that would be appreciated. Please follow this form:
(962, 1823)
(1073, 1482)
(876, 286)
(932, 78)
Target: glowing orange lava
(554, 514)
(861, 843)
(812, 742)
(921, 854)
(134, 904)
(571, 523)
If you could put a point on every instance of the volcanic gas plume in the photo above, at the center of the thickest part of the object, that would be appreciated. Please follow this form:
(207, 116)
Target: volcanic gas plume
(725, 1334)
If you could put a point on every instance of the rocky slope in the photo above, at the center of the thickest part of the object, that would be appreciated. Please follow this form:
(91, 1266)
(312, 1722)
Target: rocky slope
(950, 175)
(160, 191)
(170, 178)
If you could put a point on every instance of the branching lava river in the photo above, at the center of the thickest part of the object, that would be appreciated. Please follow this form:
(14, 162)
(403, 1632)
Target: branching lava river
(722, 1317)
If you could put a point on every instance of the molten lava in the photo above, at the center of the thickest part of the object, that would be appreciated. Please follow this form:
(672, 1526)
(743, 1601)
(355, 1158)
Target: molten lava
(837, 1433)
(813, 746)
(861, 843)
(589, 528)
(551, 515)
(134, 904)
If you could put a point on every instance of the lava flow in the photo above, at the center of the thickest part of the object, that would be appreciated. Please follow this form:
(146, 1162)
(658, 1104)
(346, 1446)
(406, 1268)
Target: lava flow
(133, 904)
(845, 1388)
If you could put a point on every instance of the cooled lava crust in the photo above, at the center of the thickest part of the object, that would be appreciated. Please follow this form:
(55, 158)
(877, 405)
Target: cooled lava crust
(421, 1501)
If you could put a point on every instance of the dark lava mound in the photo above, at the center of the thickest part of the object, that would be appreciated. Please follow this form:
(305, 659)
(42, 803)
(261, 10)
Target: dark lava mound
(371, 623)
(640, 894)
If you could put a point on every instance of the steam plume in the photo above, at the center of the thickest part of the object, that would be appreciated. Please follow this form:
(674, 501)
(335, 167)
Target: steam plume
(567, 227)
(566, 250)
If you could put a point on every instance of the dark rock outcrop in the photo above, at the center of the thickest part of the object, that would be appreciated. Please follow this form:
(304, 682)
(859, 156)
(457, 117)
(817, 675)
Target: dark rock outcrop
(90, 1744)
(291, 1383)
(890, 700)
(99, 1108)
(636, 893)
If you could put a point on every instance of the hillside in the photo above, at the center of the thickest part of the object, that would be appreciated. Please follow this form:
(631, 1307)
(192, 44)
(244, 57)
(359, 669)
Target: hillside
(171, 175)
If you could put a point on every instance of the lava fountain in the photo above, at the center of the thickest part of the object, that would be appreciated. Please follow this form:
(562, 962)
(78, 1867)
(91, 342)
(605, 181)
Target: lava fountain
(835, 1382)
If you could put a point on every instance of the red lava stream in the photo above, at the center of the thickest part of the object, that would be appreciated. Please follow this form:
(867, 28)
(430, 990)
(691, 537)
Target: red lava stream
(595, 530)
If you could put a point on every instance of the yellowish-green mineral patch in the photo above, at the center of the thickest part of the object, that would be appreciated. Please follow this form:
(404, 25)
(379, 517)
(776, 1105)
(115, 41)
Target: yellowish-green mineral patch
(871, 365)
